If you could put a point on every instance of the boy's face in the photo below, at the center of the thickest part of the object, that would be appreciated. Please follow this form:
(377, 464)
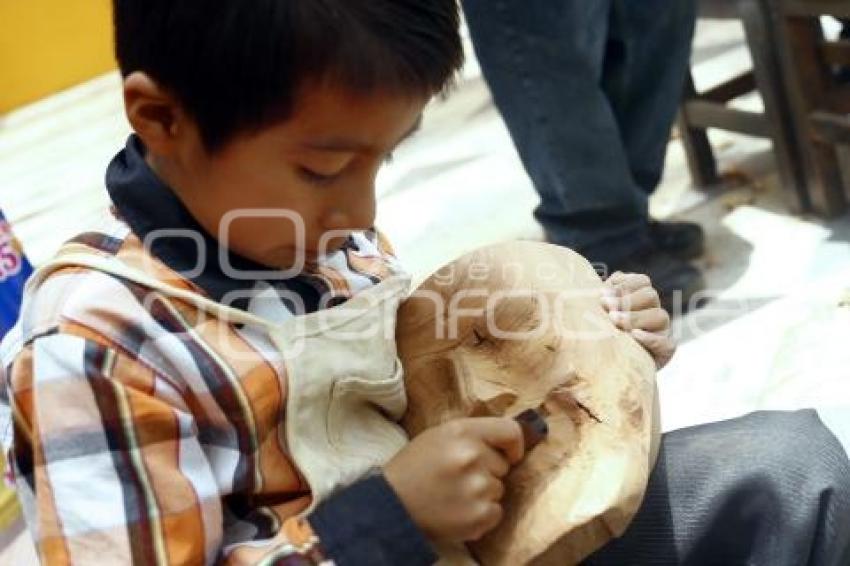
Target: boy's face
(296, 189)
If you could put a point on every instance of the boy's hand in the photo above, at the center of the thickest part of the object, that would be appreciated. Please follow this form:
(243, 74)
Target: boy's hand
(450, 477)
(635, 307)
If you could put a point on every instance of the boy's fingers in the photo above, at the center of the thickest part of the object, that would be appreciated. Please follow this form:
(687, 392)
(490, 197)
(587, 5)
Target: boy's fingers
(662, 347)
(644, 298)
(653, 320)
(615, 277)
(625, 283)
(492, 516)
(497, 490)
(491, 489)
(495, 462)
(502, 434)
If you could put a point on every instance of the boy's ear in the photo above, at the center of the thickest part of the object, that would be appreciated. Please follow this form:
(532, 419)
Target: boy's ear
(154, 114)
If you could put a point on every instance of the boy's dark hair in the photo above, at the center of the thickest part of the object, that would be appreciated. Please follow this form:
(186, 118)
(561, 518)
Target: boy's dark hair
(237, 65)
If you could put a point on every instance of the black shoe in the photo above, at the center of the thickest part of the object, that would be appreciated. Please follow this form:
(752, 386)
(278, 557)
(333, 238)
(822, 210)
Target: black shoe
(676, 280)
(683, 240)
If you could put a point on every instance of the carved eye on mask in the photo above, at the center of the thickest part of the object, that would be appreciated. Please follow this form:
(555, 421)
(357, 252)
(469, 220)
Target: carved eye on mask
(520, 326)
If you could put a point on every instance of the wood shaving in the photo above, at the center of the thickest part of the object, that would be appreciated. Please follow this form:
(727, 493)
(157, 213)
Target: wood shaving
(738, 198)
(736, 178)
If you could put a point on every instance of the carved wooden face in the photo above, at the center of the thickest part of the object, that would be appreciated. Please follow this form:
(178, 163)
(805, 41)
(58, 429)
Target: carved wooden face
(520, 326)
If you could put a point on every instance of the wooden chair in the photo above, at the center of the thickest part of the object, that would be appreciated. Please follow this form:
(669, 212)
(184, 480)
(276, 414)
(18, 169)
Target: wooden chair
(703, 110)
(820, 102)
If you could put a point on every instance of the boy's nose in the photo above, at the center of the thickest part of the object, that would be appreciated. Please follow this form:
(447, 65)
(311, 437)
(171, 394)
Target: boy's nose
(354, 217)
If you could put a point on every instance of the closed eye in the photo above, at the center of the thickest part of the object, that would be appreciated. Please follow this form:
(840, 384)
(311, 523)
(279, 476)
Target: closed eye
(315, 178)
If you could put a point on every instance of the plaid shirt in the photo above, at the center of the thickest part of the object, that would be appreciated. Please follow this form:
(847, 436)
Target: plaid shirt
(145, 432)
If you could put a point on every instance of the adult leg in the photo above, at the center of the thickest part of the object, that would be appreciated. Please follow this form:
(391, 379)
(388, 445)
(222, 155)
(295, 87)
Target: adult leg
(544, 62)
(649, 51)
(648, 57)
(768, 489)
(551, 68)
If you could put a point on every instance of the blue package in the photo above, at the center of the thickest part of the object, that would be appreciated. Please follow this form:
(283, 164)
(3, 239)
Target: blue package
(15, 269)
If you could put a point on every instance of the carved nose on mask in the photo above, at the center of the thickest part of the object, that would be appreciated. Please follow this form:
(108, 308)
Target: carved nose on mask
(477, 389)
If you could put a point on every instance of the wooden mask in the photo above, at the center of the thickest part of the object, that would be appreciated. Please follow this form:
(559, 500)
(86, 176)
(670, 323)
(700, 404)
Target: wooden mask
(520, 326)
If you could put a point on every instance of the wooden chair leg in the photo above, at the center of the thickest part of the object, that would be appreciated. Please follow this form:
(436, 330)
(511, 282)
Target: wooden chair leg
(777, 109)
(843, 152)
(796, 44)
(829, 197)
(701, 160)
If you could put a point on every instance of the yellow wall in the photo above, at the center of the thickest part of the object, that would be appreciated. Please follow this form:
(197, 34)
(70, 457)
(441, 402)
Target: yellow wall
(49, 45)
(10, 510)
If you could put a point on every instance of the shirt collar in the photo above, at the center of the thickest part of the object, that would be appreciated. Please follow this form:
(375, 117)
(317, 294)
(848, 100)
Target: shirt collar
(156, 216)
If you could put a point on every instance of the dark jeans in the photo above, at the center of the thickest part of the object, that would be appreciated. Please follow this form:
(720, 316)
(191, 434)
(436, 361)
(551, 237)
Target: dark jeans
(589, 90)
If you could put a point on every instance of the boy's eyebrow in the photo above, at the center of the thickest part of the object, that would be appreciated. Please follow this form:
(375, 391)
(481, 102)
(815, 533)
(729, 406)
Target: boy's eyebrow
(350, 145)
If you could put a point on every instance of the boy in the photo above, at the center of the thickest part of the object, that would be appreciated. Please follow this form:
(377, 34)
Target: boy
(121, 454)
(146, 431)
